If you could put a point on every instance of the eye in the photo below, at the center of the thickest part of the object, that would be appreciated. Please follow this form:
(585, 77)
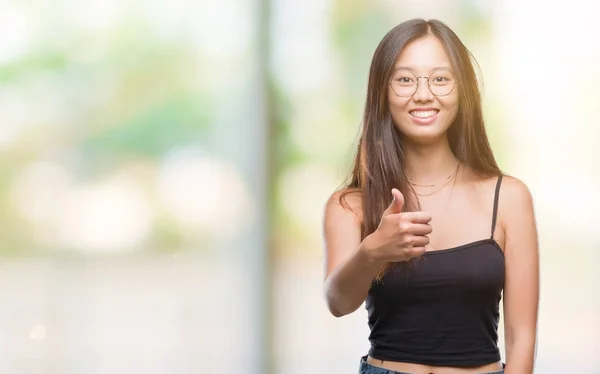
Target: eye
(441, 78)
(404, 79)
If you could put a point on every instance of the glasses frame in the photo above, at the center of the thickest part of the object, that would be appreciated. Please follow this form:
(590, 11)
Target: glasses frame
(428, 84)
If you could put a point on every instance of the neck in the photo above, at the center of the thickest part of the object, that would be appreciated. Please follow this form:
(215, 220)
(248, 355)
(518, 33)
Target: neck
(431, 163)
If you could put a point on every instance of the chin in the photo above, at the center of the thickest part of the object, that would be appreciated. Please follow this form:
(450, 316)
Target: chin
(425, 139)
(423, 134)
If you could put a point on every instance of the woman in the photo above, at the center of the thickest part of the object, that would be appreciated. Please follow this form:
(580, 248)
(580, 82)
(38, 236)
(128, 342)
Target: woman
(428, 232)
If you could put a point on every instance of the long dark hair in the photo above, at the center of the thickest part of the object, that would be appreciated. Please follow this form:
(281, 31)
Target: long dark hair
(379, 163)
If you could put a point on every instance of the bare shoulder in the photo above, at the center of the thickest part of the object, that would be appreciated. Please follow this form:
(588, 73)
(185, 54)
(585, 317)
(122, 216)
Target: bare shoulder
(512, 190)
(484, 187)
(341, 227)
(516, 212)
(515, 194)
(344, 202)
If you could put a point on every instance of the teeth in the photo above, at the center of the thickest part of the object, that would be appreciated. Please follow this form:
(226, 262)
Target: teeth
(423, 113)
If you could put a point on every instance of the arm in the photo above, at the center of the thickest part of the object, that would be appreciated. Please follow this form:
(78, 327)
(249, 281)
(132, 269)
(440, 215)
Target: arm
(521, 289)
(348, 270)
(351, 265)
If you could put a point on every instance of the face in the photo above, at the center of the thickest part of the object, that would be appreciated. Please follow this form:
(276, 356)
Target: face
(423, 116)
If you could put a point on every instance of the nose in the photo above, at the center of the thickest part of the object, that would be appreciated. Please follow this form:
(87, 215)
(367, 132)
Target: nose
(423, 93)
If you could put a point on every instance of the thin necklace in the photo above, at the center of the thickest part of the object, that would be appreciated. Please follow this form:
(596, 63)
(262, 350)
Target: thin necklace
(448, 180)
(433, 185)
(445, 208)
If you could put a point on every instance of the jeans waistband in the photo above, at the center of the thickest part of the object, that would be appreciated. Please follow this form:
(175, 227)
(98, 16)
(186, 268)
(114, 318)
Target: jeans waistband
(366, 368)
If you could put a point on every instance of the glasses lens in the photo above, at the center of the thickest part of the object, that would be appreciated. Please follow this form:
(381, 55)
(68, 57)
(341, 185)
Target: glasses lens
(404, 83)
(441, 82)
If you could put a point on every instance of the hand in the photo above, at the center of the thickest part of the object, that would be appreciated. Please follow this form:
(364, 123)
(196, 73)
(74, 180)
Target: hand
(400, 235)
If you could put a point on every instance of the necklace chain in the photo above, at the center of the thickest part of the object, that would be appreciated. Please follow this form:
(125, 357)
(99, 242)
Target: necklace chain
(434, 184)
(445, 208)
(448, 180)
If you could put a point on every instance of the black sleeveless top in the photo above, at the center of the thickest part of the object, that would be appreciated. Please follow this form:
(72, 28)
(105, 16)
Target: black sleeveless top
(444, 309)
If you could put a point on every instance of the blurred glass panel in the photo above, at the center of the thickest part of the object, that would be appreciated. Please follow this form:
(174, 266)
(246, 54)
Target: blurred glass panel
(132, 185)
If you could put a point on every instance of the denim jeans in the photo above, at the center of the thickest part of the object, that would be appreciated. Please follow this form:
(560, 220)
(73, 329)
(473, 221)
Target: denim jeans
(366, 368)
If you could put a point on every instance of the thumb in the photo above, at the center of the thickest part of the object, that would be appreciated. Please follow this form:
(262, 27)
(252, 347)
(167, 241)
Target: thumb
(396, 204)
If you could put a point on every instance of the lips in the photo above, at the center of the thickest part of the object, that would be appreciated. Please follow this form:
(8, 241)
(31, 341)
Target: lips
(424, 114)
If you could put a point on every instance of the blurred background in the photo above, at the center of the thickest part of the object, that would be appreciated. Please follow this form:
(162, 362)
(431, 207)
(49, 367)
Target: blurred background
(164, 167)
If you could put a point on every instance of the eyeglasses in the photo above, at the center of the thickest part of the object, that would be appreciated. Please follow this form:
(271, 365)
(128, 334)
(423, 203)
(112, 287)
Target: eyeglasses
(404, 83)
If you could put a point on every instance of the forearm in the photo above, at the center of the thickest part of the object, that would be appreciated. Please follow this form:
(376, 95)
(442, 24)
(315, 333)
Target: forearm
(348, 285)
(520, 355)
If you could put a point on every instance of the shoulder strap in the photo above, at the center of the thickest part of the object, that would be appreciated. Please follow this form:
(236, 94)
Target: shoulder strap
(495, 213)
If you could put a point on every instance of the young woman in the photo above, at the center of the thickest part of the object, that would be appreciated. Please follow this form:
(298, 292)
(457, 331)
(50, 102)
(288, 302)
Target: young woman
(428, 231)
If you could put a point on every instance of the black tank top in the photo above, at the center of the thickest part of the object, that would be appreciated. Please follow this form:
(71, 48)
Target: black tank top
(443, 310)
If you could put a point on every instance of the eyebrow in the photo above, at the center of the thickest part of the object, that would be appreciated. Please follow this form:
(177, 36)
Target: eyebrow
(413, 70)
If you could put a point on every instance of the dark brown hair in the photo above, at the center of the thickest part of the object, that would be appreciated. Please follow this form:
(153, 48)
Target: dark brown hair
(378, 166)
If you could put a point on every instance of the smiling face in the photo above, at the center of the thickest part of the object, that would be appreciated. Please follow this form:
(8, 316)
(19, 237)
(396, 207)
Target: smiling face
(423, 117)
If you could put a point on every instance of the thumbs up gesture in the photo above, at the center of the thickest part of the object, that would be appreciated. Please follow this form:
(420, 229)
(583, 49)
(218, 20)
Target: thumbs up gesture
(397, 203)
(400, 235)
